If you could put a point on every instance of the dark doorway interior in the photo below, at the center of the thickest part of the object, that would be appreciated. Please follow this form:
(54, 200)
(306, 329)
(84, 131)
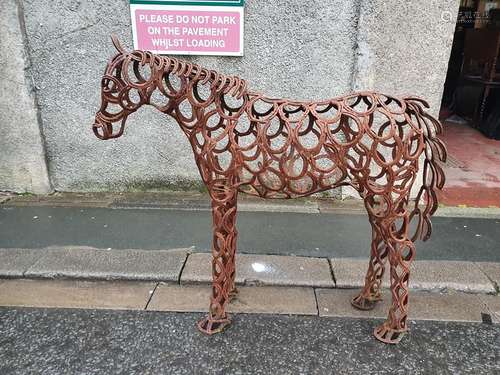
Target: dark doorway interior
(470, 109)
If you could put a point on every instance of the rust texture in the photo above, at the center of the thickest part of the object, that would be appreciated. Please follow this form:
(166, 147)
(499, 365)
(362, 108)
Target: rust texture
(246, 142)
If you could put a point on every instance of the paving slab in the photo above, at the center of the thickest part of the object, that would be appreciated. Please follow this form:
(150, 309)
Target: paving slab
(492, 271)
(185, 298)
(337, 302)
(350, 272)
(264, 269)
(456, 275)
(425, 275)
(15, 262)
(493, 305)
(90, 263)
(275, 300)
(75, 294)
(423, 305)
(263, 299)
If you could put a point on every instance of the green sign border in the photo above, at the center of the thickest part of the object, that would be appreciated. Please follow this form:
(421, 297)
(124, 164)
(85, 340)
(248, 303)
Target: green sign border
(231, 3)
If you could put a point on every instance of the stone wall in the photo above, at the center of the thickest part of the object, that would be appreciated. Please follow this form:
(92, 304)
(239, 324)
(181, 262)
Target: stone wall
(403, 48)
(303, 50)
(22, 156)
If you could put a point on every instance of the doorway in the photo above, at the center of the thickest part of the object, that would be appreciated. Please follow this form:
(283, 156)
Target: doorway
(470, 108)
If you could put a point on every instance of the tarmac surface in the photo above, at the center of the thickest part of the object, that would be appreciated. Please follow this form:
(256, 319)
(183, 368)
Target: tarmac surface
(281, 233)
(70, 341)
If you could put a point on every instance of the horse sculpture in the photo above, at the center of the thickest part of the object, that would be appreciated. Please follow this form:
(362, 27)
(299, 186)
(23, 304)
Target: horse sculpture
(246, 142)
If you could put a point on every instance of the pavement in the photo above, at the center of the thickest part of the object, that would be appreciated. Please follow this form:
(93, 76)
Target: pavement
(112, 283)
(167, 237)
(305, 228)
(69, 341)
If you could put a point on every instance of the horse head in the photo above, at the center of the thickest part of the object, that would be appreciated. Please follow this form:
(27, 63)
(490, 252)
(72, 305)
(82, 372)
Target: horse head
(135, 78)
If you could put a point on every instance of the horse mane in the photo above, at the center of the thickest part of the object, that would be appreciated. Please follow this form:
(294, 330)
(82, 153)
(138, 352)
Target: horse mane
(225, 84)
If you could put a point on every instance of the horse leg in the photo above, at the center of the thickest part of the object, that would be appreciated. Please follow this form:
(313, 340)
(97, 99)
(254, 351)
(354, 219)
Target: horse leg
(223, 253)
(401, 253)
(233, 291)
(371, 292)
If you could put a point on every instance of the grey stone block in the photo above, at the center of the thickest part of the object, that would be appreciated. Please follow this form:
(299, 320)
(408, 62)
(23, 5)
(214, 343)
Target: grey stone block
(264, 269)
(350, 272)
(22, 155)
(185, 298)
(456, 275)
(423, 306)
(89, 263)
(76, 294)
(492, 306)
(4, 197)
(275, 300)
(15, 262)
(265, 299)
(492, 271)
(424, 275)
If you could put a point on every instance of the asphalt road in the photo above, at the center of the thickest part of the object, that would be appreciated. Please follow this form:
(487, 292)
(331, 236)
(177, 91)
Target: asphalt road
(319, 235)
(58, 341)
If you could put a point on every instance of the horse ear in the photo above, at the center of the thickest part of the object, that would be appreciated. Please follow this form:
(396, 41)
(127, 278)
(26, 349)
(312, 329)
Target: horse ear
(117, 44)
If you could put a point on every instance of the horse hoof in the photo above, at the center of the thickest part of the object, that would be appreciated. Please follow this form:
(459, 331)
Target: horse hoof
(388, 335)
(210, 326)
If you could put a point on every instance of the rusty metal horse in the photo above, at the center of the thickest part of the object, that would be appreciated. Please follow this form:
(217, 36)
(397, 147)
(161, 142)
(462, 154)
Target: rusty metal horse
(246, 142)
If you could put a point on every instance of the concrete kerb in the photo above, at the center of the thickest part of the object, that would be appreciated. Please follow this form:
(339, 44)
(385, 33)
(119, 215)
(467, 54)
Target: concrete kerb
(271, 270)
(181, 266)
(492, 272)
(4, 197)
(196, 201)
(184, 201)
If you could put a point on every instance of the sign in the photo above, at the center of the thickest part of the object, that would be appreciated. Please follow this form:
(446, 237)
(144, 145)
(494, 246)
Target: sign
(188, 27)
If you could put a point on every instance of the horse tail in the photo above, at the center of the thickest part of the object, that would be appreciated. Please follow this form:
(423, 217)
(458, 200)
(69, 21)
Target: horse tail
(433, 176)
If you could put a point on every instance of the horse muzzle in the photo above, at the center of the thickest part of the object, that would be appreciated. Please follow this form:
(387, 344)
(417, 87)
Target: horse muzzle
(105, 129)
